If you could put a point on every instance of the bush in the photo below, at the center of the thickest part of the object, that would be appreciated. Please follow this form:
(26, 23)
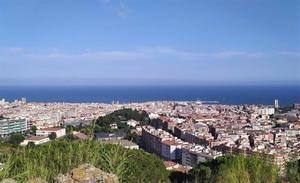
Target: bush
(238, 169)
(15, 139)
(47, 161)
(293, 171)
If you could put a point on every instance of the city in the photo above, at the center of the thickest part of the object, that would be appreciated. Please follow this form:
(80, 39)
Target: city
(183, 134)
(140, 91)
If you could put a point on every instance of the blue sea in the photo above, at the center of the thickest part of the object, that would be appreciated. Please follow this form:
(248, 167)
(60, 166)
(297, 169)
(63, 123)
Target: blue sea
(286, 94)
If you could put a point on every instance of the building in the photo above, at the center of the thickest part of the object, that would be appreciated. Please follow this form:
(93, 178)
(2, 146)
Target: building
(192, 155)
(102, 136)
(125, 143)
(171, 150)
(60, 132)
(36, 140)
(80, 135)
(266, 111)
(152, 138)
(172, 166)
(8, 126)
(276, 104)
(297, 106)
(24, 101)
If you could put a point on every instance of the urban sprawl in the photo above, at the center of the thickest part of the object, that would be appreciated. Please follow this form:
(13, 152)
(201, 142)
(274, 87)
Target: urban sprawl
(181, 133)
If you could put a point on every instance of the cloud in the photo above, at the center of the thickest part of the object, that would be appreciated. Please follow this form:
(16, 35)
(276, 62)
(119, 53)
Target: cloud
(118, 7)
(290, 54)
(88, 56)
(142, 54)
(238, 54)
(11, 50)
(122, 10)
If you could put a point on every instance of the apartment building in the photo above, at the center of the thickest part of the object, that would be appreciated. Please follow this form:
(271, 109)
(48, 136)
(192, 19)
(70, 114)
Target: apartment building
(192, 154)
(171, 150)
(9, 126)
(152, 139)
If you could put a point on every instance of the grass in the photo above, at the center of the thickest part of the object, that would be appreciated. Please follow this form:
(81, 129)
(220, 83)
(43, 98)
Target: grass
(47, 161)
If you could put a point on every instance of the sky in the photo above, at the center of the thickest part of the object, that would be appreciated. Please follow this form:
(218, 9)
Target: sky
(128, 42)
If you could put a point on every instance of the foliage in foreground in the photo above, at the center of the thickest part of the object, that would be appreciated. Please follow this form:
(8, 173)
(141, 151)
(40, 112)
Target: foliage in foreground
(293, 171)
(47, 161)
(233, 169)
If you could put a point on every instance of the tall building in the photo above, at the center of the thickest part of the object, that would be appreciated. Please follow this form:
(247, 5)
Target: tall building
(276, 104)
(24, 100)
(8, 126)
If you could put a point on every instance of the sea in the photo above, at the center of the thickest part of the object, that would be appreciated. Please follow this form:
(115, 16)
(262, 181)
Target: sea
(260, 94)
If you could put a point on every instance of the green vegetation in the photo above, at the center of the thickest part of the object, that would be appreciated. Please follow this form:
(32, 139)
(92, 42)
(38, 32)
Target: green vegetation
(233, 169)
(69, 129)
(103, 123)
(119, 117)
(33, 130)
(52, 136)
(30, 145)
(293, 171)
(47, 161)
(16, 138)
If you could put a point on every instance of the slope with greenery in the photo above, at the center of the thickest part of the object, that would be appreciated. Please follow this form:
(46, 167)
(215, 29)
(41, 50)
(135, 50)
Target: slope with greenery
(233, 169)
(293, 171)
(47, 161)
(103, 123)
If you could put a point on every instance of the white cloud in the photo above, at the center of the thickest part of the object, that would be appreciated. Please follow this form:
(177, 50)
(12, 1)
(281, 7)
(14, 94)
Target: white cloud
(118, 7)
(290, 53)
(88, 56)
(142, 54)
(122, 10)
(238, 54)
(11, 50)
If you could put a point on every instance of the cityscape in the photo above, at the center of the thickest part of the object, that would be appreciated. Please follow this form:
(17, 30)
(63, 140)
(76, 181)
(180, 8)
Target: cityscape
(181, 133)
(149, 91)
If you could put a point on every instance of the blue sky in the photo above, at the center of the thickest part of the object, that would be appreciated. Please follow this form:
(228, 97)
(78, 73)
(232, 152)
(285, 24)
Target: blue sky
(149, 42)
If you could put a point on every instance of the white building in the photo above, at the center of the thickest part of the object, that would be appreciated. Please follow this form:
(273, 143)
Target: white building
(36, 140)
(266, 111)
(171, 149)
(9, 126)
(132, 123)
(60, 132)
(276, 104)
(194, 154)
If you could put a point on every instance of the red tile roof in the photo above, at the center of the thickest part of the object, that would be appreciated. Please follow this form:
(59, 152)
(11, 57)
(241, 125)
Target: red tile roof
(169, 164)
(170, 142)
(51, 129)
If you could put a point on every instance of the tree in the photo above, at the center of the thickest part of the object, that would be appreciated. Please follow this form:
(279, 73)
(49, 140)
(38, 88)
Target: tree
(79, 127)
(237, 169)
(293, 171)
(16, 138)
(251, 140)
(33, 130)
(69, 129)
(52, 136)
